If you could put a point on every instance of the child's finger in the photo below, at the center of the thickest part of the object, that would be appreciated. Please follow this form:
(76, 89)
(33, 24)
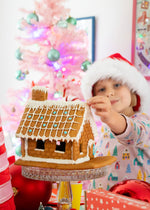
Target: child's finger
(96, 99)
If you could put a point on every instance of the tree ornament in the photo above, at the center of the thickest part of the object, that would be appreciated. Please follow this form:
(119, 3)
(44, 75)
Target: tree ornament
(18, 54)
(20, 75)
(20, 24)
(133, 188)
(32, 16)
(59, 74)
(72, 21)
(29, 193)
(62, 24)
(84, 65)
(53, 55)
(18, 150)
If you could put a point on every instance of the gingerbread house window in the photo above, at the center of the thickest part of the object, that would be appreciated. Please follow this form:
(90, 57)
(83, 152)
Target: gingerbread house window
(60, 146)
(40, 144)
(81, 148)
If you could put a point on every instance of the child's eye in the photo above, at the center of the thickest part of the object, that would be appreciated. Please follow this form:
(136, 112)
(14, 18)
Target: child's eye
(101, 90)
(117, 85)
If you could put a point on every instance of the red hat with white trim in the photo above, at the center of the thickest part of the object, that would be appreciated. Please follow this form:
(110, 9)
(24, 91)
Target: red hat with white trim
(118, 68)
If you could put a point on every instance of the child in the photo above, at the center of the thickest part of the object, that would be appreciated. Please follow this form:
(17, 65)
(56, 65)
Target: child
(6, 191)
(120, 97)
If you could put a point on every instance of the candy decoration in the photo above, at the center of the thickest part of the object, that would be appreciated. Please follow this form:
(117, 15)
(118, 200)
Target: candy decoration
(18, 54)
(20, 75)
(84, 65)
(53, 55)
(62, 24)
(32, 16)
(133, 188)
(71, 20)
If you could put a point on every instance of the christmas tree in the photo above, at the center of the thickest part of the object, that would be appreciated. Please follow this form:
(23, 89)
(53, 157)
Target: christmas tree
(55, 49)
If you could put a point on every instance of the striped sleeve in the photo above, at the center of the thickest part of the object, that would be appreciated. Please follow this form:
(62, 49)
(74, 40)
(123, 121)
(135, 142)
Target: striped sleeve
(6, 191)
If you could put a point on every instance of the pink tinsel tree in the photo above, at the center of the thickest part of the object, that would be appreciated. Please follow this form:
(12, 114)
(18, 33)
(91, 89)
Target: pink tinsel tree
(52, 45)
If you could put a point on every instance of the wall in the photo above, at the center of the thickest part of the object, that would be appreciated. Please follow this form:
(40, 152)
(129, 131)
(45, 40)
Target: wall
(113, 32)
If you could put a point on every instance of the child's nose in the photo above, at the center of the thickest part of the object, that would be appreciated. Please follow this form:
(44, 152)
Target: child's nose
(110, 92)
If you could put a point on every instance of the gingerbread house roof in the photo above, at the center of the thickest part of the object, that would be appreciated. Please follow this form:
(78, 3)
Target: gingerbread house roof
(55, 120)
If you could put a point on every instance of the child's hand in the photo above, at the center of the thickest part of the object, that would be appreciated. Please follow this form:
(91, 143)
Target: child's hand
(102, 106)
(108, 115)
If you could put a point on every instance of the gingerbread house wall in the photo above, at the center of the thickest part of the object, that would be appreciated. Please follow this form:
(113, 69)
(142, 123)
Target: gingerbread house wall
(72, 150)
(48, 152)
(86, 135)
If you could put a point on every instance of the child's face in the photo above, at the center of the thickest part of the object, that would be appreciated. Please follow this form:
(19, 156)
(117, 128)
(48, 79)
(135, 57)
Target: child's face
(119, 94)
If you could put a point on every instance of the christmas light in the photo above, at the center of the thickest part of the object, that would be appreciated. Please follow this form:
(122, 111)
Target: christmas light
(63, 69)
(37, 33)
(56, 66)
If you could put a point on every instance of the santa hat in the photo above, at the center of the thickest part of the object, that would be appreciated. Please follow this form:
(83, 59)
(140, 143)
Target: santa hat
(120, 69)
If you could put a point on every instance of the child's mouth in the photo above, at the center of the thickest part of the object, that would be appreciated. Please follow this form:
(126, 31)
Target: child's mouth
(113, 101)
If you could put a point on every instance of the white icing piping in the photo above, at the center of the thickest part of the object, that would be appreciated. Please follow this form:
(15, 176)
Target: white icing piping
(61, 161)
(90, 143)
(26, 147)
(39, 104)
(33, 104)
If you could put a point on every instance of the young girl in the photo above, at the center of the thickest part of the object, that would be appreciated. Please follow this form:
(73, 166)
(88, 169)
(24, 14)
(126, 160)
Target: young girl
(6, 191)
(120, 97)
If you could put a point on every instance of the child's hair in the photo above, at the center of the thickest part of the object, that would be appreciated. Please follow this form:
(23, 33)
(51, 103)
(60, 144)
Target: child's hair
(120, 69)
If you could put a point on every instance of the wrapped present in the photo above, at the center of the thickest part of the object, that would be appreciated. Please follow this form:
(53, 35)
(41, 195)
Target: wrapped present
(101, 199)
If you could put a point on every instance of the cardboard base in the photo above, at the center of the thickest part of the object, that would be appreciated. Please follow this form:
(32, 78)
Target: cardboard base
(97, 162)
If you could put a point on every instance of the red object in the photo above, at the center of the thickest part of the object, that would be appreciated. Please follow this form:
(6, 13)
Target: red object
(106, 200)
(29, 193)
(133, 188)
(11, 159)
(8, 205)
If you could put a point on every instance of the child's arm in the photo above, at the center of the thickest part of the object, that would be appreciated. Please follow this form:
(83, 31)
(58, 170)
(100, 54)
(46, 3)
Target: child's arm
(103, 109)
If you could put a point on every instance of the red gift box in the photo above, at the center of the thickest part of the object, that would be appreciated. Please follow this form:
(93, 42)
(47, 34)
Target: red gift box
(100, 199)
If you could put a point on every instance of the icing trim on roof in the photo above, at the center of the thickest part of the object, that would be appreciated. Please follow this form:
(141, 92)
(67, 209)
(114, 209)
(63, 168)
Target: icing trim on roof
(35, 105)
(38, 104)
(40, 88)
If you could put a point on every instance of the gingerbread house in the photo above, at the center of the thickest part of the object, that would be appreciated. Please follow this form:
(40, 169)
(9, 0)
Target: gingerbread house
(56, 131)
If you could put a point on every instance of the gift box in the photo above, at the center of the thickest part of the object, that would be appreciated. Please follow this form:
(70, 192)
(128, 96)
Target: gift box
(100, 199)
